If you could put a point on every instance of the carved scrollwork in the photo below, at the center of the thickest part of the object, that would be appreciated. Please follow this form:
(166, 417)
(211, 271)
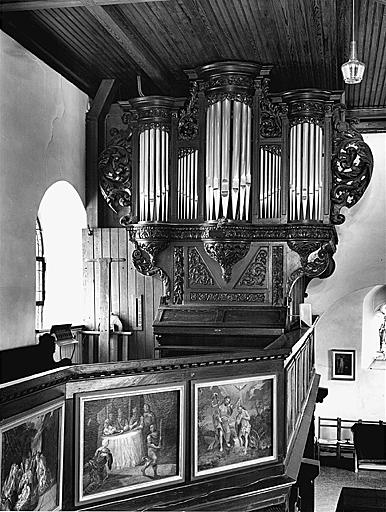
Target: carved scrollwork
(115, 172)
(227, 254)
(270, 121)
(199, 274)
(316, 257)
(144, 259)
(188, 116)
(352, 167)
(256, 272)
(178, 287)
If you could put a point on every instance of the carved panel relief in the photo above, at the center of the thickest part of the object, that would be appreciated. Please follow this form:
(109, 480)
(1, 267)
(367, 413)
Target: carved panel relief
(198, 272)
(277, 275)
(256, 273)
(228, 297)
(178, 285)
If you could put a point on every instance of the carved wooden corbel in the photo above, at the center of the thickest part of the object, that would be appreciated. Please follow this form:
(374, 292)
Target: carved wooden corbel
(227, 254)
(144, 259)
(352, 166)
(115, 174)
(316, 259)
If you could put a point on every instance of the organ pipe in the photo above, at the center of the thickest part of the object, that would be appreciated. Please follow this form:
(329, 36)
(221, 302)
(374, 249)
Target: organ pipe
(154, 123)
(305, 188)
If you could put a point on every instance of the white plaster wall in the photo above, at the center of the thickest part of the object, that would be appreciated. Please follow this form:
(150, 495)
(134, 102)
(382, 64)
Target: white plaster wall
(42, 140)
(360, 265)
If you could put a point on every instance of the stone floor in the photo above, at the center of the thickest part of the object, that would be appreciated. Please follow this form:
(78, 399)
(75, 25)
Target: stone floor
(331, 480)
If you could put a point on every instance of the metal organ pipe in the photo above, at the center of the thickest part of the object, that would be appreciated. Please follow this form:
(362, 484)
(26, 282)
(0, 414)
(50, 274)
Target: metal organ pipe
(153, 174)
(228, 159)
(305, 191)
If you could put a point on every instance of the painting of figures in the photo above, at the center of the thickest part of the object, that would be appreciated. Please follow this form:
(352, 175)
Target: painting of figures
(129, 439)
(234, 423)
(31, 459)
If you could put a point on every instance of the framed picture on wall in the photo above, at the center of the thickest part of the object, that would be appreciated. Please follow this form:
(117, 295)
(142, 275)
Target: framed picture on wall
(31, 451)
(235, 424)
(129, 440)
(342, 364)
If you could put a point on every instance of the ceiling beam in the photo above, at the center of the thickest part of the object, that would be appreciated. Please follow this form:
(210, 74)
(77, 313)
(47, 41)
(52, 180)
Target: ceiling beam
(32, 5)
(134, 46)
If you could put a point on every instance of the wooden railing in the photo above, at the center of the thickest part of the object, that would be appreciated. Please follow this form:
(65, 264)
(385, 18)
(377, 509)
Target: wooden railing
(89, 346)
(299, 374)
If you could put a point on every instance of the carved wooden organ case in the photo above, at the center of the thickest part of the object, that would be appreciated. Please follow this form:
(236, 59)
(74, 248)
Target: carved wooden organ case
(231, 196)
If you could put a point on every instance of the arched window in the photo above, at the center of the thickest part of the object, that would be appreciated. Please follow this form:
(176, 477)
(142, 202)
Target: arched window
(62, 216)
(40, 276)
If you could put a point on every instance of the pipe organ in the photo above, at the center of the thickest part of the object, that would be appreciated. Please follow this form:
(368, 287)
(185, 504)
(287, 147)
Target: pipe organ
(231, 195)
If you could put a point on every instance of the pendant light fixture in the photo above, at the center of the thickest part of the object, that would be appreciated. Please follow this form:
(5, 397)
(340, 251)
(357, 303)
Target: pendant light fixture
(353, 69)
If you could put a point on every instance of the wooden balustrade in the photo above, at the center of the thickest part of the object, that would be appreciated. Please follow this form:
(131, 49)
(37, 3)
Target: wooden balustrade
(299, 375)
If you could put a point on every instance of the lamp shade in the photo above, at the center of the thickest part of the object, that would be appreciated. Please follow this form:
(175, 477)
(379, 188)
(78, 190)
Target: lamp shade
(353, 69)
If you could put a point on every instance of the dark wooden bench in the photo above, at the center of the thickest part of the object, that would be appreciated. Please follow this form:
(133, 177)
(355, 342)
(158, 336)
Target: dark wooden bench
(22, 362)
(354, 499)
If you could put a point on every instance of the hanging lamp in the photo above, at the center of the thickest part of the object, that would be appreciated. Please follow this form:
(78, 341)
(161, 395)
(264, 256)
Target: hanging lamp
(353, 69)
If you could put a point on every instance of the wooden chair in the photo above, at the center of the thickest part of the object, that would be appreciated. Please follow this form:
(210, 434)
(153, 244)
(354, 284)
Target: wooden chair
(329, 435)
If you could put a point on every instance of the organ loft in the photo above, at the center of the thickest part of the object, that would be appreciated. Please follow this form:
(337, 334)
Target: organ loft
(226, 303)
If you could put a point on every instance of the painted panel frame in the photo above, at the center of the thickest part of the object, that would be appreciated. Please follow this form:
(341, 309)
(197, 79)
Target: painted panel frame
(31, 458)
(119, 453)
(342, 364)
(243, 412)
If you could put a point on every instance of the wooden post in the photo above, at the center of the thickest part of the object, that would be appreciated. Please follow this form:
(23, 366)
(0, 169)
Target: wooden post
(104, 307)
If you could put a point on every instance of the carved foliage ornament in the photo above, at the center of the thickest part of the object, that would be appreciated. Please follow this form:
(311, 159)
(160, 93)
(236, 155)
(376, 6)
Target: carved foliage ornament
(277, 274)
(352, 167)
(188, 116)
(227, 254)
(270, 121)
(178, 287)
(227, 297)
(115, 172)
(231, 96)
(256, 273)
(199, 274)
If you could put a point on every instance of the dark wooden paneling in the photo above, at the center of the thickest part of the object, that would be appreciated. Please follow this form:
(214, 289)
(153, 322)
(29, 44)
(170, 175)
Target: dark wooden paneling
(305, 40)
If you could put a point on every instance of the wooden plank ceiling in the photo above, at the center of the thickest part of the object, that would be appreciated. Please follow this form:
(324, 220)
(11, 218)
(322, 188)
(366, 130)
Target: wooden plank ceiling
(305, 40)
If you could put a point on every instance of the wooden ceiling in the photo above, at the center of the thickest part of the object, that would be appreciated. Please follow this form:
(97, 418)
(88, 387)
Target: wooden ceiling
(305, 40)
